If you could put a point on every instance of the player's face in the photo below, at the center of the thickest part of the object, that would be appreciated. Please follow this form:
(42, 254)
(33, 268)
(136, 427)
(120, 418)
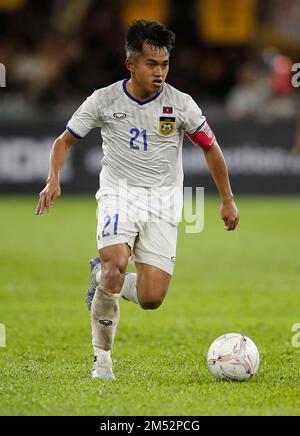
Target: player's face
(151, 68)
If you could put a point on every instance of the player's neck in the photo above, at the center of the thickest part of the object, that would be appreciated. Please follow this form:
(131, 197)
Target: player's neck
(137, 92)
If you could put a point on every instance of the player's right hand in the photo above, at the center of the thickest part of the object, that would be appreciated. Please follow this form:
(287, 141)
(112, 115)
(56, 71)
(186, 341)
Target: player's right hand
(47, 197)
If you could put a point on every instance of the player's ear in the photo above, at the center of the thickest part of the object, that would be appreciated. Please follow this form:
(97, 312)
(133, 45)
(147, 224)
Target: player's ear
(129, 64)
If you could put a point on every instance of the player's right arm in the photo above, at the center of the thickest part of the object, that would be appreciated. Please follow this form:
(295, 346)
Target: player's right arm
(59, 153)
(87, 116)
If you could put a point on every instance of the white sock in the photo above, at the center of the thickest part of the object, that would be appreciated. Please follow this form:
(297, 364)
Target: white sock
(105, 316)
(129, 290)
(98, 275)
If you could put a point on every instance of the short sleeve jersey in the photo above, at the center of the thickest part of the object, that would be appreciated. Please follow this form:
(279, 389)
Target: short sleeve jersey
(142, 140)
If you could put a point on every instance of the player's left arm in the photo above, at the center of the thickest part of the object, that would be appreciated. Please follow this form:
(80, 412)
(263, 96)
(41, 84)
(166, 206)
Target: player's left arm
(218, 169)
(204, 137)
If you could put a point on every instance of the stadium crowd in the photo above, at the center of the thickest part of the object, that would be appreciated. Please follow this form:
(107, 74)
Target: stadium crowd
(57, 52)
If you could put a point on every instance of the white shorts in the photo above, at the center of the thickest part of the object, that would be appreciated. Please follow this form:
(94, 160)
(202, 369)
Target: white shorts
(152, 241)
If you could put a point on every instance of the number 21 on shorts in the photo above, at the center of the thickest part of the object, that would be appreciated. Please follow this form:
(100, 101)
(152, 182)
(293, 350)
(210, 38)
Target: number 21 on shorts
(107, 221)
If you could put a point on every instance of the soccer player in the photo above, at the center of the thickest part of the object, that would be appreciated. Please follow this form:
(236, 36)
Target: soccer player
(143, 121)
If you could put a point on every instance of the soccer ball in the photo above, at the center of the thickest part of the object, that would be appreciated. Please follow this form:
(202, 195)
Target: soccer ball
(233, 357)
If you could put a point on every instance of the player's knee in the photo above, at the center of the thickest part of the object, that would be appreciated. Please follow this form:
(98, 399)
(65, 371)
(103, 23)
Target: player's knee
(112, 277)
(151, 302)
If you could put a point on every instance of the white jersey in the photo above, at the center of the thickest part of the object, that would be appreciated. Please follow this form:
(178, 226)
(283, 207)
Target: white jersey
(142, 140)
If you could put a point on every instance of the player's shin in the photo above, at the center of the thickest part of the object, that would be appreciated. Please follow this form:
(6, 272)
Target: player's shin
(129, 291)
(105, 316)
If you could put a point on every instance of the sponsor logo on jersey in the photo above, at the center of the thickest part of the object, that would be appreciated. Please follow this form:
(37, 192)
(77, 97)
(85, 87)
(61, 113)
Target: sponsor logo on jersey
(166, 125)
(167, 110)
(119, 116)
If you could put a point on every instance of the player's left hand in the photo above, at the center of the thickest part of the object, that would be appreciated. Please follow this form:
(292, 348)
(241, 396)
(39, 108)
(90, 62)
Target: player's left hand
(229, 214)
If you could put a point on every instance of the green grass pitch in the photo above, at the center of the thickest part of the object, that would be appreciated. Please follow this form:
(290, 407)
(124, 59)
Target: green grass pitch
(246, 281)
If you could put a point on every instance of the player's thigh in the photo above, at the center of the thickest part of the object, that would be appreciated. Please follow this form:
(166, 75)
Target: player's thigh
(156, 246)
(113, 224)
(154, 256)
(115, 238)
(114, 261)
(152, 285)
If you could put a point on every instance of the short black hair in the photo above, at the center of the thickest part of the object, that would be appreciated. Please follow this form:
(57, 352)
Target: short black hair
(149, 32)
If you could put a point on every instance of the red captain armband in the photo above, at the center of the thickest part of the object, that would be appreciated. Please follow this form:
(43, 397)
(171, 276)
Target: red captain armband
(204, 137)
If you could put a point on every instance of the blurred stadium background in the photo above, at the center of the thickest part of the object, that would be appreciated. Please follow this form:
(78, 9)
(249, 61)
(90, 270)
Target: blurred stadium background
(234, 57)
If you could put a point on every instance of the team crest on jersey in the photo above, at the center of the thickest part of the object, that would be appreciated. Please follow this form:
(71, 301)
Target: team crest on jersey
(166, 125)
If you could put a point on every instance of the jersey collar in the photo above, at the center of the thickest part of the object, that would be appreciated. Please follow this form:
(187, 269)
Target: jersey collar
(140, 102)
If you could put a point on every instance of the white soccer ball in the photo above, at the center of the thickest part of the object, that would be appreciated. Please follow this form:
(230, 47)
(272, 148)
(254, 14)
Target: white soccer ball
(233, 357)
